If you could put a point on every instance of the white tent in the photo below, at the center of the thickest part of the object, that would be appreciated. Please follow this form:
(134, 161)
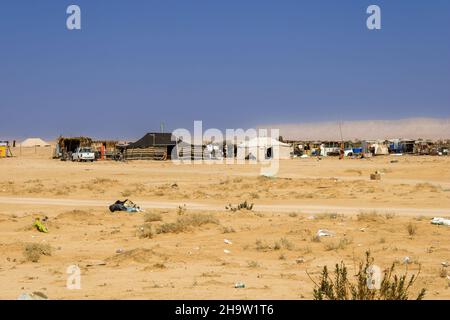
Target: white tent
(34, 142)
(264, 148)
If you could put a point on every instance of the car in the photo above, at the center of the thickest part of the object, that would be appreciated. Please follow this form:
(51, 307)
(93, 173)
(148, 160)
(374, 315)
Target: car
(83, 154)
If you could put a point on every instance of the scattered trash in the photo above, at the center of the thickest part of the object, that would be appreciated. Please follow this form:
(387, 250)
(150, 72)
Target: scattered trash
(126, 205)
(444, 264)
(33, 296)
(40, 226)
(324, 233)
(406, 260)
(239, 285)
(226, 251)
(440, 221)
(362, 229)
(304, 156)
(93, 263)
(120, 250)
(299, 260)
(227, 241)
(375, 176)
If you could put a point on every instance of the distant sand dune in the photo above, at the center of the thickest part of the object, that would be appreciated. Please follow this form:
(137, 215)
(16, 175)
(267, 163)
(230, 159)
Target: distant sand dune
(414, 128)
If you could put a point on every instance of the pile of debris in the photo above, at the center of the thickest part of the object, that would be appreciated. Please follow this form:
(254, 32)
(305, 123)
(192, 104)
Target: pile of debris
(126, 205)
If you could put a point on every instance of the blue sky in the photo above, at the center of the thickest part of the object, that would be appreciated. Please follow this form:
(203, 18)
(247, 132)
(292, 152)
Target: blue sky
(229, 63)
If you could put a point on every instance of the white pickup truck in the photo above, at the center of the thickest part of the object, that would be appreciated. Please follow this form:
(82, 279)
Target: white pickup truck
(83, 154)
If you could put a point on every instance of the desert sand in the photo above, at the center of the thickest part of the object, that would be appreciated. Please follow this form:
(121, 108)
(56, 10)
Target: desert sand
(272, 246)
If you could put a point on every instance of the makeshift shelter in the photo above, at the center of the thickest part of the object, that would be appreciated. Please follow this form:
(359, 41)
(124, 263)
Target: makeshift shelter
(152, 146)
(105, 149)
(66, 146)
(379, 149)
(264, 148)
(34, 142)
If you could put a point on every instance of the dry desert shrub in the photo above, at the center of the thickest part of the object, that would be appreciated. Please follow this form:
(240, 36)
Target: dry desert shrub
(342, 244)
(145, 231)
(340, 287)
(184, 223)
(228, 230)
(412, 229)
(34, 251)
(253, 264)
(151, 217)
(329, 216)
(368, 216)
(242, 206)
(389, 216)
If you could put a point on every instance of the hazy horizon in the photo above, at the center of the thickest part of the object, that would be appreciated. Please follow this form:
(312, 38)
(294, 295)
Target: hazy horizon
(409, 128)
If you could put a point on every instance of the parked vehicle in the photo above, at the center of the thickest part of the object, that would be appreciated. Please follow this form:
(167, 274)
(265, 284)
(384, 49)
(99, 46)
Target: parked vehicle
(83, 154)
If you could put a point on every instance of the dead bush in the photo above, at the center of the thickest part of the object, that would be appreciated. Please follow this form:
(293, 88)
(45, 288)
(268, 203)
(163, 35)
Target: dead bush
(412, 229)
(145, 231)
(184, 223)
(151, 217)
(393, 286)
(34, 251)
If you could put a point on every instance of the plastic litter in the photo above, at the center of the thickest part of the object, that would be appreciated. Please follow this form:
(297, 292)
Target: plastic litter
(440, 221)
(324, 233)
(226, 251)
(33, 296)
(239, 285)
(227, 241)
(126, 205)
(40, 226)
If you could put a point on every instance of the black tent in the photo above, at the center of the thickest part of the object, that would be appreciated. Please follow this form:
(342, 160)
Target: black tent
(154, 140)
(152, 146)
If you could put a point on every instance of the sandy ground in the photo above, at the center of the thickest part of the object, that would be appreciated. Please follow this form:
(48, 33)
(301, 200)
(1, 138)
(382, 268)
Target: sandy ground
(272, 247)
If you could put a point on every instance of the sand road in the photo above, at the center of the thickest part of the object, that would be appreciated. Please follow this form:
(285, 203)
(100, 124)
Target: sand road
(209, 206)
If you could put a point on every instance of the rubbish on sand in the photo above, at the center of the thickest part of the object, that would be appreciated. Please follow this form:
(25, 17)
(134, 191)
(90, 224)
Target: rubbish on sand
(406, 260)
(227, 241)
(40, 226)
(226, 251)
(126, 205)
(239, 285)
(299, 260)
(93, 263)
(304, 156)
(375, 176)
(440, 221)
(33, 296)
(324, 233)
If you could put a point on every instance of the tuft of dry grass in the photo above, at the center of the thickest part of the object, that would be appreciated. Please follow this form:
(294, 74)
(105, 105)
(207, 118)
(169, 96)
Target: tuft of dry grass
(253, 264)
(228, 229)
(145, 231)
(184, 223)
(412, 229)
(151, 217)
(34, 251)
(341, 245)
(368, 216)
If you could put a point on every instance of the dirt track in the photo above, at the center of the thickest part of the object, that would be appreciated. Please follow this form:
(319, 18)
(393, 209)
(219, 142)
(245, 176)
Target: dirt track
(299, 208)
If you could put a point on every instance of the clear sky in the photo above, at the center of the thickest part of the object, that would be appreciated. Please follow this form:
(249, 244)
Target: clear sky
(230, 63)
